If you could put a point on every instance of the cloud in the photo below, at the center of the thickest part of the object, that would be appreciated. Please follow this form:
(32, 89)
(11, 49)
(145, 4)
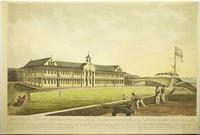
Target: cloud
(139, 37)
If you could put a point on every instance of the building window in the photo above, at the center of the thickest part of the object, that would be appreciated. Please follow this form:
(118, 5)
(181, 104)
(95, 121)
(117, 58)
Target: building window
(54, 81)
(44, 81)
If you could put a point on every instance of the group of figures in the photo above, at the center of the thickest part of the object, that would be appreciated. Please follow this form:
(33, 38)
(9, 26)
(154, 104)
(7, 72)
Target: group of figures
(128, 109)
(160, 95)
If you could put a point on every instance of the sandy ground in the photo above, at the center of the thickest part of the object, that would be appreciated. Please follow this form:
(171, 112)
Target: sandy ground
(171, 108)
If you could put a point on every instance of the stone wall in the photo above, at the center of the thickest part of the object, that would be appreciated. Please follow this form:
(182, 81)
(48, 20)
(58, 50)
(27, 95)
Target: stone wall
(101, 109)
(97, 110)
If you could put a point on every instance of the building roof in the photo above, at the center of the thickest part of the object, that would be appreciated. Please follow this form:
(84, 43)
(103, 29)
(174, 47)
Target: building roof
(73, 65)
(69, 64)
(105, 67)
(35, 63)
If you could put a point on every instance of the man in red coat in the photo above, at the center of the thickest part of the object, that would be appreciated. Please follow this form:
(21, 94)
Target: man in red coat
(138, 100)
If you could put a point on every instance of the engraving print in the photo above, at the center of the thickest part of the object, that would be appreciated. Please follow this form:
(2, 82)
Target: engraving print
(102, 59)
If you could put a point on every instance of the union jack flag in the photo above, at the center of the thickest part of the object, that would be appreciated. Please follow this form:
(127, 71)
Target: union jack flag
(178, 52)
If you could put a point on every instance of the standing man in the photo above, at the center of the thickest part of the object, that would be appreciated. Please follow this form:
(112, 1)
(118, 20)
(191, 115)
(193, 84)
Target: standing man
(163, 94)
(60, 94)
(157, 91)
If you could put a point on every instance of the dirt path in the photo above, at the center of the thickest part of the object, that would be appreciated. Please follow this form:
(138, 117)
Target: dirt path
(171, 108)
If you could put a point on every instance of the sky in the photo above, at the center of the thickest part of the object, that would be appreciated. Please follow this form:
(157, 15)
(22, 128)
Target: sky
(138, 36)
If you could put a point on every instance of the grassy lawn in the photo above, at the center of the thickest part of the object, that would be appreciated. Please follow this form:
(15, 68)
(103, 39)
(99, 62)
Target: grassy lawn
(50, 101)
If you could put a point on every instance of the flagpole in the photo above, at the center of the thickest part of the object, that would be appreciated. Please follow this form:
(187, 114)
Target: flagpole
(174, 60)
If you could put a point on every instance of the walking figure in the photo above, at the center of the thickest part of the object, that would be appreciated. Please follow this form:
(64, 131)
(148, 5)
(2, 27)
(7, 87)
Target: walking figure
(60, 94)
(157, 96)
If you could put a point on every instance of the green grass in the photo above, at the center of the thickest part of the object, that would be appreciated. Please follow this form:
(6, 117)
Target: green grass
(50, 101)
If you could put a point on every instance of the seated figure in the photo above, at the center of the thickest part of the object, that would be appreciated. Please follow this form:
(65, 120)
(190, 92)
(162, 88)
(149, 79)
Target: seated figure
(19, 102)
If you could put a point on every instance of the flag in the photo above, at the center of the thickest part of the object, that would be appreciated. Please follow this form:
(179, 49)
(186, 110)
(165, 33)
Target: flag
(178, 52)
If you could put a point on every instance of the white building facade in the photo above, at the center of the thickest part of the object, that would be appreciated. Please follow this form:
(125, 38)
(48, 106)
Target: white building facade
(48, 73)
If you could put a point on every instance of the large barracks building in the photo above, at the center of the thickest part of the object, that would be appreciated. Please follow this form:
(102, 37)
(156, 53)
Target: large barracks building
(48, 73)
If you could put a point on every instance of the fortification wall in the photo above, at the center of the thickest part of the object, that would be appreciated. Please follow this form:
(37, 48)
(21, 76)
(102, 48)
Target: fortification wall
(97, 110)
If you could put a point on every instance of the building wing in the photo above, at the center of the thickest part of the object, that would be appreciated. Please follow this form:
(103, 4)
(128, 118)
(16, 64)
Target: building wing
(48, 73)
(71, 65)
